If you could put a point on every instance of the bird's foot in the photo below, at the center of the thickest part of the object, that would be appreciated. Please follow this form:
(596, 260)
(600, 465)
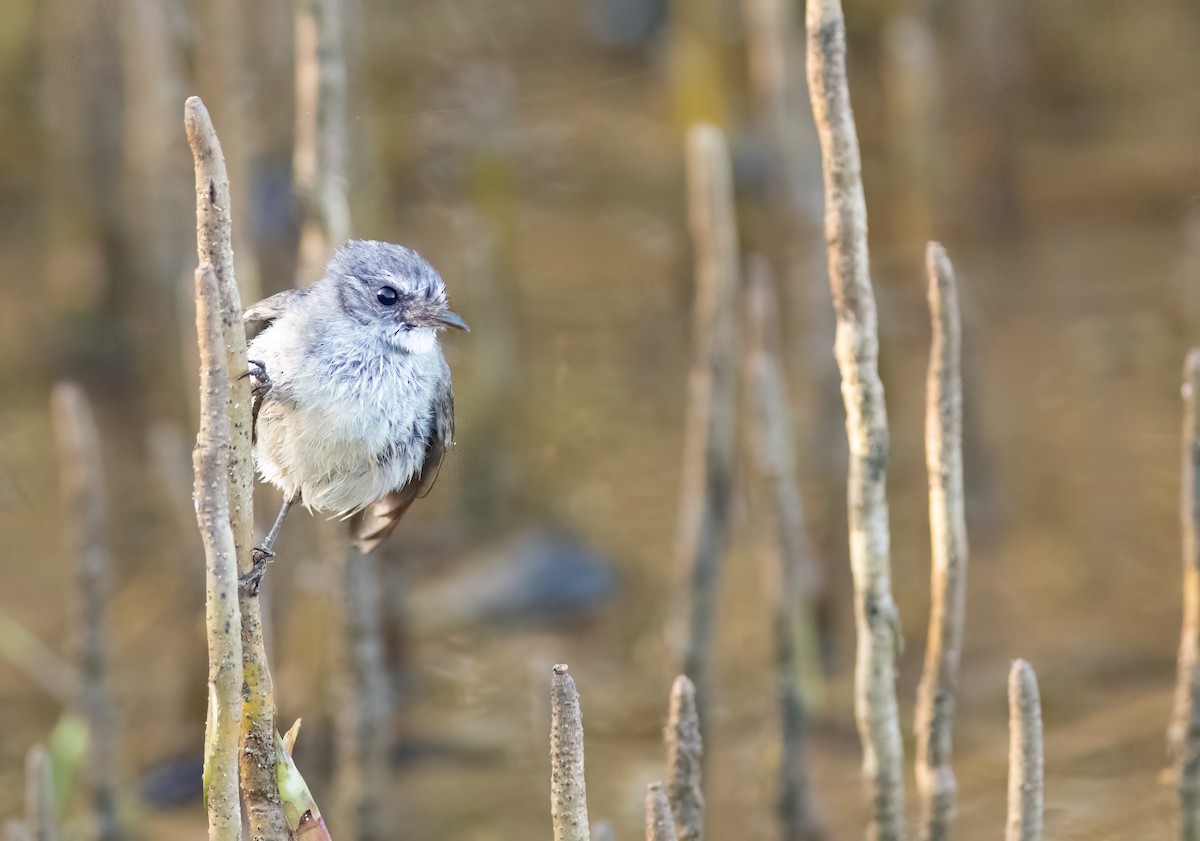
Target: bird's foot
(262, 381)
(251, 582)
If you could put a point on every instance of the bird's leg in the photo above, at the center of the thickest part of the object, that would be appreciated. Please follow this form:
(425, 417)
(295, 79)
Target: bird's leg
(252, 581)
(262, 384)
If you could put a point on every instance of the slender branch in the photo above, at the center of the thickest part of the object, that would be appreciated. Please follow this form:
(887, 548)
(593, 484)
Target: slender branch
(660, 823)
(319, 159)
(568, 791)
(362, 695)
(685, 761)
(319, 164)
(84, 520)
(948, 540)
(210, 461)
(1024, 755)
(1184, 732)
(39, 796)
(800, 581)
(214, 245)
(709, 443)
(857, 348)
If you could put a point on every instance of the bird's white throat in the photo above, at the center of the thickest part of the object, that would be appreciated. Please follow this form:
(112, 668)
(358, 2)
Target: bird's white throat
(417, 340)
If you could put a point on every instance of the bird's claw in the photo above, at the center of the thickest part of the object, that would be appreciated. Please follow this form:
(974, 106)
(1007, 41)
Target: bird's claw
(258, 373)
(251, 582)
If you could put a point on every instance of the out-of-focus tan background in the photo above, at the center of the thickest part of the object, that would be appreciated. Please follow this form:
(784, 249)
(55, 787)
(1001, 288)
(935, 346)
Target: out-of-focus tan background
(532, 151)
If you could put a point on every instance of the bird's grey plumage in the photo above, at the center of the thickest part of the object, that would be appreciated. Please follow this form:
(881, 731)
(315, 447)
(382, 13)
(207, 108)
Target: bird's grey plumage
(360, 410)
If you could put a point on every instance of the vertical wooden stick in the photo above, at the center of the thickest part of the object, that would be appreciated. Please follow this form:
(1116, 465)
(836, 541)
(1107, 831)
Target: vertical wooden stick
(1024, 755)
(319, 160)
(320, 176)
(39, 796)
(1184, 732)
(214, 225)
(948, 540)
(84, 519)
(685, 761)
(800, 580)
(709, 441)
(568, 792)
(660, 823)
(210, 460)
(857, 348)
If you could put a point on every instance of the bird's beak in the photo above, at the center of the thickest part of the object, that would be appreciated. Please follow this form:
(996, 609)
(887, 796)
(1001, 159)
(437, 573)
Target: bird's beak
(449, 318)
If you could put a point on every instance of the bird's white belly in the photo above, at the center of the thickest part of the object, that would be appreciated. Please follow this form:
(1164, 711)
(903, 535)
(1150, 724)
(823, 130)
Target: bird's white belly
(349, 441)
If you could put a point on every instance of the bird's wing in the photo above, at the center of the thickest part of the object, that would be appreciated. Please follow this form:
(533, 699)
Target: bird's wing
(372, 525)
(259, 316)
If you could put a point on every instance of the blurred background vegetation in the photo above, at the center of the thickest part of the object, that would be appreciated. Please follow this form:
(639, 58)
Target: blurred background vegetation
(532, 151)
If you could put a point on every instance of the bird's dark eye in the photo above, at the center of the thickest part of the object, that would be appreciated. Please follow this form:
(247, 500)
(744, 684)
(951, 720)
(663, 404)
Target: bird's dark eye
(387, 296)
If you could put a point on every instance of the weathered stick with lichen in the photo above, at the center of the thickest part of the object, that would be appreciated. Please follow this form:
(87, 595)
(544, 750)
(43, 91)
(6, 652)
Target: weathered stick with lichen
(660, 823)
(40, 823)
(685, 761)
(210, 460)
(709, 439)
(1024, 755)
(799, 580)
(857, 349)
(568, 791)
(1184, 732)
(948, 541)
(214, 246)
(82, 483)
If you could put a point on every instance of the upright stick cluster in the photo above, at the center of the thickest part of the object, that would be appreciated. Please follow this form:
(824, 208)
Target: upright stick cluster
(857, 349)
(224, 502)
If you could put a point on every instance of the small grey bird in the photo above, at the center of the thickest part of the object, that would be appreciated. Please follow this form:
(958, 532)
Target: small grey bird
(353, 408)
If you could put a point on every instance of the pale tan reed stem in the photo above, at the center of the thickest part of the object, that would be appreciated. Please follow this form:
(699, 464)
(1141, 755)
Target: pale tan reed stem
(568, 791)
(660, 823)
(210, 460)
(685, 761)
(709, 440)
(1184, 731)
(1024, 755)
(81, 478)
(40, 821)
(856, 348)
(948, 541)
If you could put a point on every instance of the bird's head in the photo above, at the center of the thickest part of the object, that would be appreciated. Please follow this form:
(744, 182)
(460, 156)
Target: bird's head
(392, 289)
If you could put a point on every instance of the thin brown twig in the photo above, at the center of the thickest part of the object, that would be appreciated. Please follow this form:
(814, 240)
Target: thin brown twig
(568, 789)
(214, 245)
(39, 796)
(857, 349)
(948, 541)
(1024, 755)
(222, 614)
(84, 521)
(1184, 731)
(799, 582)
(685, 761)
(660, 823)
(709, 441)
